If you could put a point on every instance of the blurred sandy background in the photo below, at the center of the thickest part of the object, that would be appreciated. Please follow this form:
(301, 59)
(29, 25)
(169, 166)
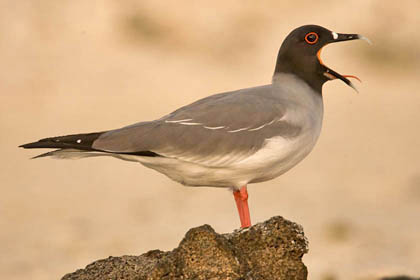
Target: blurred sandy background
(85, 66)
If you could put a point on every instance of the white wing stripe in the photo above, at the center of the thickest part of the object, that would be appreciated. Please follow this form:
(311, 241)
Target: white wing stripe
(178, 121)
(214, 127)
(186, 122)
(190, 123)
(237, 130)
(264, 125)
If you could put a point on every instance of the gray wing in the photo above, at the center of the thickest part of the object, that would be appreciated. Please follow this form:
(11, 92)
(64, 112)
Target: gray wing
(217, 130)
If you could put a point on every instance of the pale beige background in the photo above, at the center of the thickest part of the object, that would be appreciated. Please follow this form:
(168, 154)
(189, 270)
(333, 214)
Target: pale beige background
(84, 66)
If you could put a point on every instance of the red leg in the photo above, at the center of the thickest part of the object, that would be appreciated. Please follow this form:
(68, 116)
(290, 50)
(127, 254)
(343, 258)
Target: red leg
(241, 198)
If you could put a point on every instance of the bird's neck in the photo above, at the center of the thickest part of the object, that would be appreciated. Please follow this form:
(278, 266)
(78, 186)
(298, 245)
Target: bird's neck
(316, 86)
(308, 71)
(295, 88)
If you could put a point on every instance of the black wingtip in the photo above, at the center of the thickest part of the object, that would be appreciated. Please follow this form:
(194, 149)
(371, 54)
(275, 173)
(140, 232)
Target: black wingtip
(82, 141)
(28, 146)
(43, 143)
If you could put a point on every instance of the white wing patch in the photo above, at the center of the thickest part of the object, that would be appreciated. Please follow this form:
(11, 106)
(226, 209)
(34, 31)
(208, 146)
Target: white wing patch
(214, 127)
(237, 130)
(262, 126)
(187, 122)
(335, 35)
(178, 121)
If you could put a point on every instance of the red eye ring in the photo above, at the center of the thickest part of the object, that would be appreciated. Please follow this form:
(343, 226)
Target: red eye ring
(309, 38)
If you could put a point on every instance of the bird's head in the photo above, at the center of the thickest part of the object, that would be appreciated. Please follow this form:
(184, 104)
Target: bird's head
(300, 55)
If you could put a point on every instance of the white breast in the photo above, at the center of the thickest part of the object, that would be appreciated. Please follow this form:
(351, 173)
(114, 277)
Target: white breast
(278, 155)
(305, 109)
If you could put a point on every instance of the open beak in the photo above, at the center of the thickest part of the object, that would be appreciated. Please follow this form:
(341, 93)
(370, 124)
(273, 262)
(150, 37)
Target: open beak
(331, 74)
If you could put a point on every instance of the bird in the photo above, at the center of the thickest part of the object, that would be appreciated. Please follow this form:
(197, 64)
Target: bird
(231, 139)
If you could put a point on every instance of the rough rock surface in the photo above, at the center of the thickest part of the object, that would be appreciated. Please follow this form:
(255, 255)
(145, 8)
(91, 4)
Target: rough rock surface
(269, 250)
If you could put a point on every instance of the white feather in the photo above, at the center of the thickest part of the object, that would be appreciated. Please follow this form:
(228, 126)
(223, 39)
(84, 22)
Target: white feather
(187, 123)
(237, 130)
(215, 127)
(178, 121)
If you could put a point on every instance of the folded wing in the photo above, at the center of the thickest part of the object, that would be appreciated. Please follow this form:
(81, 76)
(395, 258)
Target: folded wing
(215, 131)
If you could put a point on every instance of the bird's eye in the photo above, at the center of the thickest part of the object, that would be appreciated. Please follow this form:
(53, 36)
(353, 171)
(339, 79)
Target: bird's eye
(311, 38)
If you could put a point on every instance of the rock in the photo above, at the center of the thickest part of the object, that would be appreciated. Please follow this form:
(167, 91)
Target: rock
(269, 250)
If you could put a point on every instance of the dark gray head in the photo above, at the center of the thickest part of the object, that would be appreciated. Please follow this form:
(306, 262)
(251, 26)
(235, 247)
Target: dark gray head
(300, 55)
